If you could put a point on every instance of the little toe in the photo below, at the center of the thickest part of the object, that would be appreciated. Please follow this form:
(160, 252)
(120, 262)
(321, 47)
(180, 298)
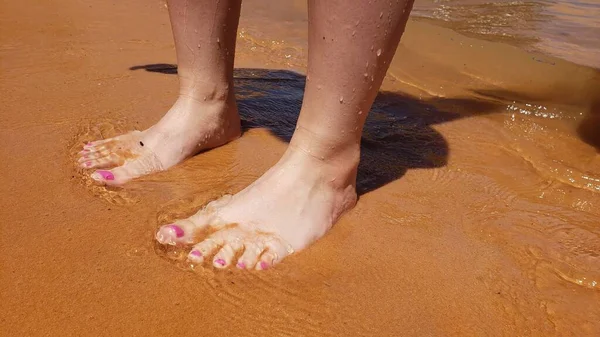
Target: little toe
(252, 252)
(276, 251)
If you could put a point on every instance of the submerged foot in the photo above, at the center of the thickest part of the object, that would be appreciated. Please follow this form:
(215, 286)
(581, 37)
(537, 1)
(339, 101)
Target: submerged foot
(293, 204)
(189, 127)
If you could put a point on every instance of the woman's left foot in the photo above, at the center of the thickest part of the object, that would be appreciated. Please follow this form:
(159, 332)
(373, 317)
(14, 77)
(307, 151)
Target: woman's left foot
(292, 205)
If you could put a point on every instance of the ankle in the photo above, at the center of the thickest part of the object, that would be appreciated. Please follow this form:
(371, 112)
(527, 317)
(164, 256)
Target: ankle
(336, 165)
(201, 91)
(327, 147)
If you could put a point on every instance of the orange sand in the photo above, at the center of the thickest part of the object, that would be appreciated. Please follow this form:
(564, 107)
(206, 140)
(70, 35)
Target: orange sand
(478, 215)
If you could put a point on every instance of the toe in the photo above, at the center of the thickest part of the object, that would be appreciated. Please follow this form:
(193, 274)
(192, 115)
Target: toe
(103, 176)
(231, 248)
(90, 150)
(252, 252)
(108, 161)
(89, 155)
(275, 252)
(204, 249)
(179, 232)
(195, 256)
(97, 143)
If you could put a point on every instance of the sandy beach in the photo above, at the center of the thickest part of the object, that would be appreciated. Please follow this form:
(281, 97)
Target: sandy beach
(479, 186)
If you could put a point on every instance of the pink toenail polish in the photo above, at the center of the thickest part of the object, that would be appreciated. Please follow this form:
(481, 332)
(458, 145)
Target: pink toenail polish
(196, 253)
(220, 261)
(264, 265)
(178, 231)
(241, 265)
(106, 175)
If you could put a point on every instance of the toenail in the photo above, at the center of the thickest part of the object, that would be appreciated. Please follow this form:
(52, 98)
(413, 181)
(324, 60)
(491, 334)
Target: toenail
(106, 175)
(220, 261)
(178, 231)
(241, 265)
(264, 265)
(196, 253)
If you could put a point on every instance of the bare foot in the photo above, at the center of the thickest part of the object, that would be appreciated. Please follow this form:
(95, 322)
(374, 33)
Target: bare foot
(293, 204)
(189, 127)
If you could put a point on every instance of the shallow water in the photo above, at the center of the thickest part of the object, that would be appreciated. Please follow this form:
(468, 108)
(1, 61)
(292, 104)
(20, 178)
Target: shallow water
(479, 184)
(567, 29)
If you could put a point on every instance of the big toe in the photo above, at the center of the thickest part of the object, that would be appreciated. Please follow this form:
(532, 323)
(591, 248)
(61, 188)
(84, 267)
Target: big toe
(183, 231)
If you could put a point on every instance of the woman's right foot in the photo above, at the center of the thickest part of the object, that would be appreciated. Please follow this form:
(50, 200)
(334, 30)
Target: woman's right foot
(189, 127)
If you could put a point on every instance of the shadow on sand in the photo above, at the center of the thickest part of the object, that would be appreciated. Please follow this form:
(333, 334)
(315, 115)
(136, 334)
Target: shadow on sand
(397, 136)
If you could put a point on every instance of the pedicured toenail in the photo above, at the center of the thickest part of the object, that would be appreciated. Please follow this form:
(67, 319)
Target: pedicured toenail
(178, 231)
(196, 253)
(241, 265)
(106, 175)
(220, 261)
(264, 265)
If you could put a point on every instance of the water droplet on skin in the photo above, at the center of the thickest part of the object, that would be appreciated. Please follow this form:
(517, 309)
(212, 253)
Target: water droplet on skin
(353, 89)
(198, 46)
(380, 15)
(307, 78)
(353, 32)
(372, 78)
(205, 98)
(366, 75)
(360, 113)
(357, 22)
(341, 99)
(372, 48)
(379, 52)
(218, 40)
(367, 64)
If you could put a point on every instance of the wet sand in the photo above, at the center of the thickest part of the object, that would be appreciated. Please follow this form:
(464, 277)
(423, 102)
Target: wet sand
(479, 187)
(568, 29)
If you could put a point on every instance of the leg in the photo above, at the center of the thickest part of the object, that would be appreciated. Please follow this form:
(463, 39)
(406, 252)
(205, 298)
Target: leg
(299, 199)
(205, 114)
